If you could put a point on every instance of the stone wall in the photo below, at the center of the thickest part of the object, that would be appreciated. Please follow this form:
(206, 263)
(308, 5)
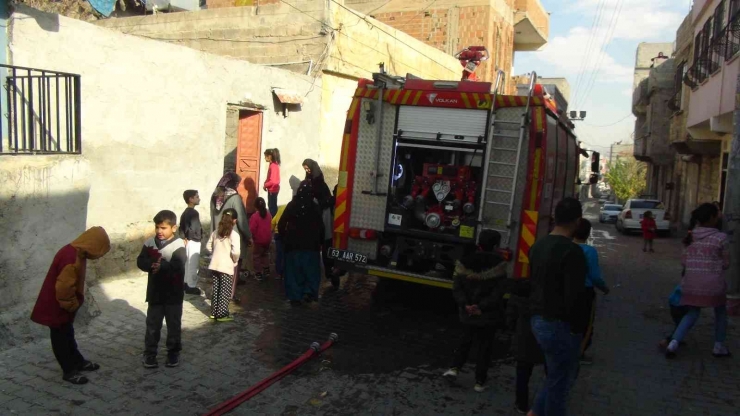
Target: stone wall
(154, 123)
(453, 26)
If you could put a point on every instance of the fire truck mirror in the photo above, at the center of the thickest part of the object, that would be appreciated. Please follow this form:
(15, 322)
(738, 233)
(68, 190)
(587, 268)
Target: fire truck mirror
(595, 157)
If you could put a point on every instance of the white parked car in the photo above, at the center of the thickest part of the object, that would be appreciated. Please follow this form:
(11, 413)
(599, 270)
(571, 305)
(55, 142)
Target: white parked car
(629, 219)
(609, 213)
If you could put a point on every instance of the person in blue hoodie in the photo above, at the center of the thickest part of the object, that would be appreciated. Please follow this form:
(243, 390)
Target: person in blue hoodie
(677, 313)
(593, 280)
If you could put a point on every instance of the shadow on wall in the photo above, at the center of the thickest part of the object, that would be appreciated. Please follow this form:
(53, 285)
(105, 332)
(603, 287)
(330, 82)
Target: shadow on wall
(35, 226)
(47, 13)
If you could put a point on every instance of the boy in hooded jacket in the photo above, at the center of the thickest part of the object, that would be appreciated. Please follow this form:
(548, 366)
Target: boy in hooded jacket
(62, 294)
(479, 289)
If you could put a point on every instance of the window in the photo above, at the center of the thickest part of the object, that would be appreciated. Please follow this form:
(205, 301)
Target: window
(638, 204)
(42, 112)
(734, 8)
(733, 33)
(719, 18)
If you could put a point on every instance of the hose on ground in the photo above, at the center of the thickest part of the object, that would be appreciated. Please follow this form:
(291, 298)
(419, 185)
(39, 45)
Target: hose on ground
(247, 394)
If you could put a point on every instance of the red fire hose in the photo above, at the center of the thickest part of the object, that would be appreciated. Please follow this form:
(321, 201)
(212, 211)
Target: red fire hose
(242, 397)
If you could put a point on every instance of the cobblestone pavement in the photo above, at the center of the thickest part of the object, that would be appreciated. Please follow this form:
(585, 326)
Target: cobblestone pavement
(395, 340)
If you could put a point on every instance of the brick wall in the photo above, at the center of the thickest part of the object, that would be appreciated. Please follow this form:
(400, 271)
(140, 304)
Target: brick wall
(214, 4)
(454, 28)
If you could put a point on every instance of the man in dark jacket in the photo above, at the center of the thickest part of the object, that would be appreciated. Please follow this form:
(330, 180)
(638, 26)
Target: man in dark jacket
(559, 306)
(479, 288)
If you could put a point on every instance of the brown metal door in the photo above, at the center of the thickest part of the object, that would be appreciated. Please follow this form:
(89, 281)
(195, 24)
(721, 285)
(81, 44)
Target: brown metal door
(248, 151)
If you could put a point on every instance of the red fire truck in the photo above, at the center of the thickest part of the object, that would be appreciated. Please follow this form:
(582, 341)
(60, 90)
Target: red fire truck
(427, 165)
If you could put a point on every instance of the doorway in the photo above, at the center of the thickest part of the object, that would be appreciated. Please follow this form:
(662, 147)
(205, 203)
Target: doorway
(248, 152)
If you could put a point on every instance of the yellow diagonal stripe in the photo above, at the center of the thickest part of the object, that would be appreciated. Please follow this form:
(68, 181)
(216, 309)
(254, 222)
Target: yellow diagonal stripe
(340, 210)
(523, 258)
(406, 97)
(465, 99)
(416, 99)
(527, 236)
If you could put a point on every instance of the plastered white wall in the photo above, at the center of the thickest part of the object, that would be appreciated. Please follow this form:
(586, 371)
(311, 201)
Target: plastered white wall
(153, 125)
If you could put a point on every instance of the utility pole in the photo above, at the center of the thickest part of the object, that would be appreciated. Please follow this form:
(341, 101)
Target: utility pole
(732, 201)
(611, 150)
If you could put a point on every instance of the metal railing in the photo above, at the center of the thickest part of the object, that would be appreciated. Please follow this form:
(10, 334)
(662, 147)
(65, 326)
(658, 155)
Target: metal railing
(723, 46)
(40, 112)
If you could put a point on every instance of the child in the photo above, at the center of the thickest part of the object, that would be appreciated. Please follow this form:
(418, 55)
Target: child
(648, 230)
(279, 251)
(677, 313)
(62, 294)
(479, 288)
(225, 246)
(272, 183)
(593, 280)
(191, 234)
(524, 345)
(302, 231)
(260, 225)
(163, 257)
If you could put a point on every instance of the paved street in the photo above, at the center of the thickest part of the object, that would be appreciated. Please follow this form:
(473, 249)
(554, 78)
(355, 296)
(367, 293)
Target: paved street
(395, 340)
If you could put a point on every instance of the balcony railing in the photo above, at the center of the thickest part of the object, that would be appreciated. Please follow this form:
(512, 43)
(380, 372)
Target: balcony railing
(40, 112)
(724, 45)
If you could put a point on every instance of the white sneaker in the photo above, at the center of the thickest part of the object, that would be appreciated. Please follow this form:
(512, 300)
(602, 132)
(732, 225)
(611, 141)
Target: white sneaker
(451, 373)
(480, 388)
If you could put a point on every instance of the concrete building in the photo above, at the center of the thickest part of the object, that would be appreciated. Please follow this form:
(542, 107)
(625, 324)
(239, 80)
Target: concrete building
(321, 38)
(695, 170)
(653, 88)
(503, 26)
(559, 88)
(711, 78)
(155, 119)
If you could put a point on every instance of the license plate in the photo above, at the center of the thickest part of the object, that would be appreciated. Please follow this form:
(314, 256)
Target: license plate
(347, 256)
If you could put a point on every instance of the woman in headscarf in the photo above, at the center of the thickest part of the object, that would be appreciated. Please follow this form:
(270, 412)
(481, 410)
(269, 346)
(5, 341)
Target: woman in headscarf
(323, 197)
(224, 197)
(62, 294)
(302, 232)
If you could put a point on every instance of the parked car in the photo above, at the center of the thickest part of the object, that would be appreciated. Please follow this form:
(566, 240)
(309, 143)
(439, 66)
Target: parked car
(629, 219)
(609, 213)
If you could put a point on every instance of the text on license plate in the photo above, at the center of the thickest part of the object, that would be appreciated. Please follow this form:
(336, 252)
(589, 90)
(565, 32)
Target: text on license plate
(347, 256)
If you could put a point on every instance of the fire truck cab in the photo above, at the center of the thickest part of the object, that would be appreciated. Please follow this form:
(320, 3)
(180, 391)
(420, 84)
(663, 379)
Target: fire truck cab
(427, 165)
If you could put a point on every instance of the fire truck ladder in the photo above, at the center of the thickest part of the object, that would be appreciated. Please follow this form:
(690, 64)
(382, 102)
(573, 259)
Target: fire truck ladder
(499, 170)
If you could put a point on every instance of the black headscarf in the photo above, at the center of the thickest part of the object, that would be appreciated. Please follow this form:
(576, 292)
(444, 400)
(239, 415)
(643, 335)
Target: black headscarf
(316, 172)
(319, 187)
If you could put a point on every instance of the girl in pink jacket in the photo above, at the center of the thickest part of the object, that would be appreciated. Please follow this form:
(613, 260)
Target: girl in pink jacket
(260, 224)
(272, 183)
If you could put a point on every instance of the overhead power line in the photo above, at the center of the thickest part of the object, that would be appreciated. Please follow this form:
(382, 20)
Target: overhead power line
(600, 58)
(589, 45)
(387, 33)
(612, 124)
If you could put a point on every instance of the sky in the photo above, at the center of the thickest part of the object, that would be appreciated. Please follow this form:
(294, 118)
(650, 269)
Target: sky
(593, 43)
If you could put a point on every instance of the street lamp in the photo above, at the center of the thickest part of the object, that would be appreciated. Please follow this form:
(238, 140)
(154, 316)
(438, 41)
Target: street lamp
(577, 115)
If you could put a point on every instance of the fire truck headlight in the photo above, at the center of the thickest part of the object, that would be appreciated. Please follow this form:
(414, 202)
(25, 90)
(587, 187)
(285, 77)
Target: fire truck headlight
(433, 220)
(469, 208)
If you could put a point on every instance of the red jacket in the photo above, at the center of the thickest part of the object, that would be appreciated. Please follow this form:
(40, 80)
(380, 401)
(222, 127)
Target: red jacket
(62, 292)
(47, 310)
(272, 183)
(648, 228)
